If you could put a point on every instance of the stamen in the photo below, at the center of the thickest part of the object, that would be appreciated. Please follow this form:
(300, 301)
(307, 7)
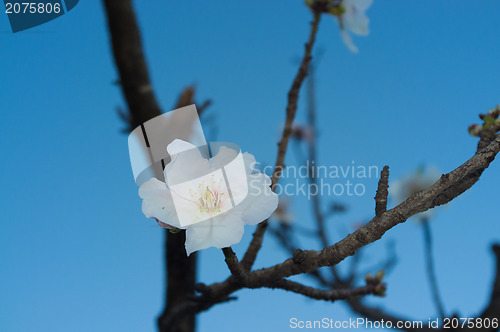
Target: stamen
(210, 199)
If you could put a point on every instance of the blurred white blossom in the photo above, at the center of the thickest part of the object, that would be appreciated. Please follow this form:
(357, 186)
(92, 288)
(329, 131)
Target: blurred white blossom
(354, 19)
(421, 179)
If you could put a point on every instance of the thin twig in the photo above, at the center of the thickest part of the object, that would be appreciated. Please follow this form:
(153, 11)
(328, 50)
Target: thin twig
(284, 235)
(234, 265)
(313, 180)
(353, 268)
(326, 295)
(387, 264)
(293, 96)
(492, 310)
(431, 273)
(382, 192)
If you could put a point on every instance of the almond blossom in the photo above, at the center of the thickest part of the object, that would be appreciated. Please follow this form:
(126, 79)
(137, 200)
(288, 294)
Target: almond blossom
(354, 19)
(212, 205)
(412, 183)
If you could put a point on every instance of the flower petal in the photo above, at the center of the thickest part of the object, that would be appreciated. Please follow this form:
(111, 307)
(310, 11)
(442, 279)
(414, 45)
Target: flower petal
(219, 232)
(356, 21)
(178, 146)
(260, 202)
(359, 4)
(157, 202)
(250, 162)
(346, 38)
(187, 163)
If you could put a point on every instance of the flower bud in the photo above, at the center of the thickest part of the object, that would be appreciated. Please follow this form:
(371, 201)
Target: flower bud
(337, 10)
(475, 130)
(309, 3)
(495, 112)
(379, 276)
(489, 121)
(380, 290)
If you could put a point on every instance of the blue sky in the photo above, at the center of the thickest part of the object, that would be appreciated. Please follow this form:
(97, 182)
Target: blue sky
(78, 254)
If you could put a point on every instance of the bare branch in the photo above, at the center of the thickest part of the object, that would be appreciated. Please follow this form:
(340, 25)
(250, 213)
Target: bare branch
(143, 106)
(431, 273)
(284, 235)
(382, 192)
(293, 96)
(493, 308)
(467, 181)
(180, 281)
(307, 261)
(387, 264)
(234, 265)
(327, 295)
(313, 180)
(129, 58)
(191, 307)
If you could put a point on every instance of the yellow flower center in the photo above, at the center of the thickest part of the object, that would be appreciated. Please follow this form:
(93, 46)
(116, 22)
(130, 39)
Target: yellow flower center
(209, 197)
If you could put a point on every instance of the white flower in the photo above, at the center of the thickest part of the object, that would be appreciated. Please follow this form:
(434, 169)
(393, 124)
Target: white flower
(355, 20)
(410, 184)
(196, 197)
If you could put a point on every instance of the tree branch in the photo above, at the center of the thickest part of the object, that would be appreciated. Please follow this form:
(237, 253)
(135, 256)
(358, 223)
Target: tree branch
(430, 268)
(293, 96)
(143, 106)
(327, 295)
(237, 270)
(492, 310)
(179, 313)
(284, 235)
(382, 192)
(129, 58)
(306, 261)
(180, 281)
(313, 180)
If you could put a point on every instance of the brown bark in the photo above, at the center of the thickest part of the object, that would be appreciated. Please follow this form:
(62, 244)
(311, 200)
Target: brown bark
(143, 106)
